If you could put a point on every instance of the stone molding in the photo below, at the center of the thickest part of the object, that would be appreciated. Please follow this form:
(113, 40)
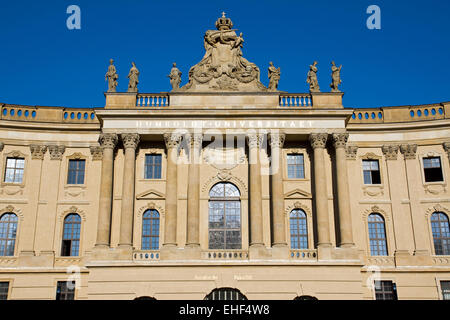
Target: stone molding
(340, 140)
(390, 151)
(318, 140)
(12, 209)
(409, 151)
(351, 152)
(56, 152)
(130, 140)
(74, 210)
(38, 151)
(108, 140)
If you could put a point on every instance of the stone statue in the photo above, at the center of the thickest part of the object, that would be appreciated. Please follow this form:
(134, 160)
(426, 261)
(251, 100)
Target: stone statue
(312, 78)
(335, 77)
(111, 76)
(175, 77)
(223, 68)
(274, 77)
(133, 75)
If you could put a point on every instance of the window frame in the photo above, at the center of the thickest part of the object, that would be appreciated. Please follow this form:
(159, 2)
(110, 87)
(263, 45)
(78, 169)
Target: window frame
(433, 154)
(66, 282)
(76, 176)
(224, 200)
(441, 166)
(307, 235)
(17, 233)
(394, 286)
(65, 180)
(71, 244)
(14, 154)
(150, 236)
(290, 153)
(377, 239)
(153, 165)
(371, 171)
(8, 292)
(306, 163)
(431, 231)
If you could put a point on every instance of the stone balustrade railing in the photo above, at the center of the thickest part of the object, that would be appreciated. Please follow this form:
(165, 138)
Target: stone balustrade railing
(47, 114)
(146, 255)
(401, 114)
(225, 254)
(152, 100)
(303, 254)
(295, 100)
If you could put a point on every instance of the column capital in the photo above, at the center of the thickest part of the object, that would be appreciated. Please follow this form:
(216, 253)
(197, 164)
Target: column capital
(195, 140)
(96, 152)
(255, 140)
(351, 152)
(277, 140)
(409, 151)
(56, 152)
(340, 140)
(447, 148)
(172, 140)
(108, 140)
(390, 151)
(318, 140)
(38, 151)
(130, 140)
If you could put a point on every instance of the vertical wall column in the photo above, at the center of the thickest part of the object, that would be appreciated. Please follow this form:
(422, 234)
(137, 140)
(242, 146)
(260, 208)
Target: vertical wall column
(108, 142)
(172, 141)
(130, 143)
(343, 193)
(193, 202)
(256, 222)
(318, 142)
(277, 196)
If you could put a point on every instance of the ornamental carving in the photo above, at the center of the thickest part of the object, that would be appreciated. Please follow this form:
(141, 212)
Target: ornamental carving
(56, 152)
(130, 140)
(96, 152)
(340, 140)
(351, 152)
(195, 140)
(277, 140)
(318, 140)
(255, 140)
(108, 140)
(409, 151)
(224, 158)
(172, 140)
(223, 68)
(390, 151)
(37, 151)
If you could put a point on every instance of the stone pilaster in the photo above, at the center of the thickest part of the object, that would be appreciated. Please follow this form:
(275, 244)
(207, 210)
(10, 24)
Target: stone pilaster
(409, 151)
(56, 152)
(172, 141)
(343, 193)
(350, 152)
(277, 196)
(108, 142)
(390, 151)
(130, 142)
(193, 202)
(37, 151)
(256, 222)
(318, 143)
(96, 152)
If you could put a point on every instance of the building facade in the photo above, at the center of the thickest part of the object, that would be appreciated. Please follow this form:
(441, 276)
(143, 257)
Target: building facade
(224, 188)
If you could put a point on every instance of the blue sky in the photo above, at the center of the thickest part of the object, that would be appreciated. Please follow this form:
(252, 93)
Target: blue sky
(44, 63)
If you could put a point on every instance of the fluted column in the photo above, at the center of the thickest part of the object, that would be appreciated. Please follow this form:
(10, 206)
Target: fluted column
(193, 203)
(277, 196)
(172, 141)
(343, 193)
(318, 142)
(256, 222)
(130, 143)
(108, 142)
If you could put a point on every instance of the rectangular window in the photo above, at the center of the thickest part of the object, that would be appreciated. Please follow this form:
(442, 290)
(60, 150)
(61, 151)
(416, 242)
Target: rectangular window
(445, 287)
(75, 173)
(4, 287)
(152, 168)
(385, 290)
(65, 290)
(371, 172)
(14, 170)
(432, 169)
(295, 166)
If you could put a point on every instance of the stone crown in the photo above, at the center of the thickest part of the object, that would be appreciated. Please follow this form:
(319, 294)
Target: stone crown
(224, 23)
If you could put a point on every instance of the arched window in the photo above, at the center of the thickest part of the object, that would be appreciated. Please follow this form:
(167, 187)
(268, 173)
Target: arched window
(305, 298)
(225, 294)
(299, 229)
(150, 230)
(377, 235)
(224, 217)
(441, 233)
(144, 298)
(8, 232)
(71, 236)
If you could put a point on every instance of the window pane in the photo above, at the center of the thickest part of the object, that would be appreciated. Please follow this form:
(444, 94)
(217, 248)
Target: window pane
(152, 166)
